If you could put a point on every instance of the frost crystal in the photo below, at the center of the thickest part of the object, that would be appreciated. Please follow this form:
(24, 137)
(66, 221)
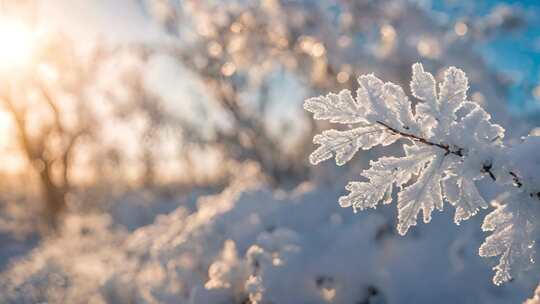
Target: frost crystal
(437, 145)
(513, 226)
(449, 143)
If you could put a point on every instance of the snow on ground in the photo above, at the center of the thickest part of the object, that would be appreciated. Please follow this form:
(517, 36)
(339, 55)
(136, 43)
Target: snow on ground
(250, 242)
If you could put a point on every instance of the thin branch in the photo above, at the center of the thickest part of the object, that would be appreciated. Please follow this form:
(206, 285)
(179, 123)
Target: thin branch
(459, 152)
(54, 108)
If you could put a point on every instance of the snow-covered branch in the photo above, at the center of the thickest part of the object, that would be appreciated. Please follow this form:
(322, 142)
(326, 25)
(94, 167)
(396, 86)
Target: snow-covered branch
(450, 144)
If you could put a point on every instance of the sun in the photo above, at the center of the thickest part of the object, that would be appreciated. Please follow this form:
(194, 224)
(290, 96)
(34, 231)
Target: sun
(16, 44)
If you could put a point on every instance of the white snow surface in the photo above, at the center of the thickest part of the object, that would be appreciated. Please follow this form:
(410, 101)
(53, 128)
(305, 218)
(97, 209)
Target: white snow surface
(250, 242)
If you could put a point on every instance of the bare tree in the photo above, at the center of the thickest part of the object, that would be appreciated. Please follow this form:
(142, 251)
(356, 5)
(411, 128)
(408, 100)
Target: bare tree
(50, 148)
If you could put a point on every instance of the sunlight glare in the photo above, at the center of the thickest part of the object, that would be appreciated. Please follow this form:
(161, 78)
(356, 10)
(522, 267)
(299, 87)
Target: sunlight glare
(16, 44)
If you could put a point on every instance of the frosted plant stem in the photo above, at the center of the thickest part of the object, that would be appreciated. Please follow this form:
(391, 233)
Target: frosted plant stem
(456, 127)
(459, 152)
(413, 137)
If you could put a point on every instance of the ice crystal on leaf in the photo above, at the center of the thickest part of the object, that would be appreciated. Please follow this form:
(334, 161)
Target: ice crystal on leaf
(514, 226)
(434, 167)
(449, 143)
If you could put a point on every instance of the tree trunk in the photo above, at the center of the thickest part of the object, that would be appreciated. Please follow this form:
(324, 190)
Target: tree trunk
(54, 198)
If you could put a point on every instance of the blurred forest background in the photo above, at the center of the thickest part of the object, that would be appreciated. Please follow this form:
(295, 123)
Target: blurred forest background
(113, 113)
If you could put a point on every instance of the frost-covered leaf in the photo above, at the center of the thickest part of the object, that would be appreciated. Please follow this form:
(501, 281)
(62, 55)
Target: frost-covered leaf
(450, 142)
(399, 104)
(460, 190)
(344, 144)
(475, 128)
(385, 102)
(337, 108)
(368, 194)
(423, 86)
(382, 175)
(513, 225)
(453, 90)
(371, 95)
(425, 194)
(452, 94)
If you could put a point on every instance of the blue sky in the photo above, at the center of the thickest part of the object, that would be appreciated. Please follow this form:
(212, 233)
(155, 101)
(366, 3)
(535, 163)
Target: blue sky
(517, 54)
